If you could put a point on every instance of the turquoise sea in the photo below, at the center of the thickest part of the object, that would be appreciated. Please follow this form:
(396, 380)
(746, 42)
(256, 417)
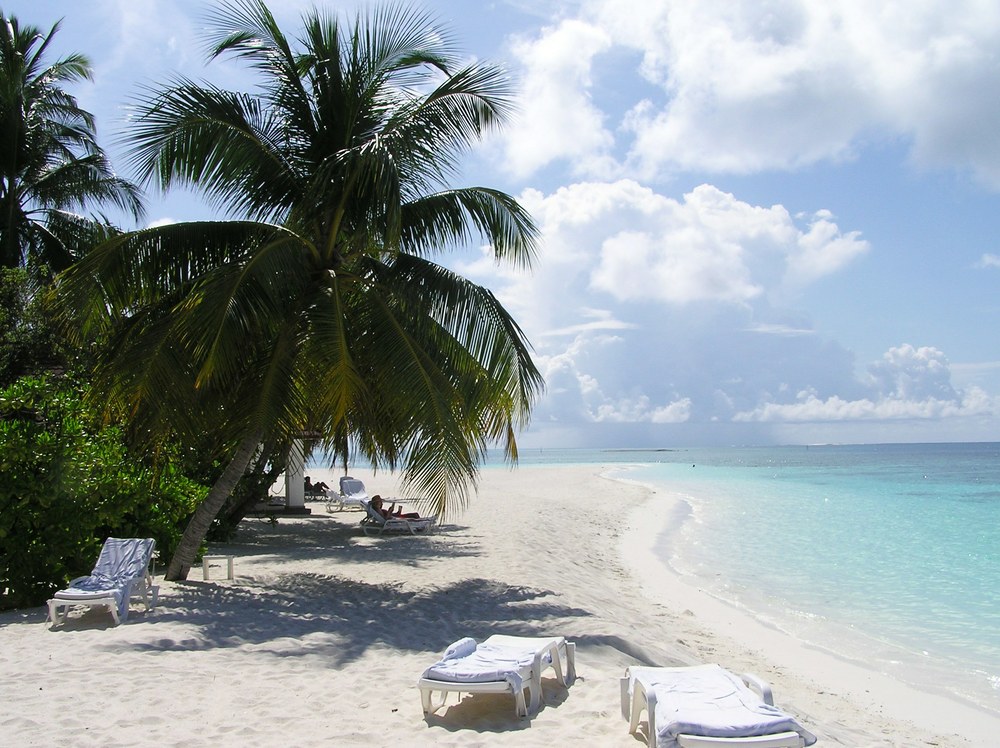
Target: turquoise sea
(887, 555)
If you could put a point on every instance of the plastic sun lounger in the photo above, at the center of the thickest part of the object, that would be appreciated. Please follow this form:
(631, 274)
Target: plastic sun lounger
(352, 494)
(375, 524)
(707, 706)
(121, 573)
(501, 664)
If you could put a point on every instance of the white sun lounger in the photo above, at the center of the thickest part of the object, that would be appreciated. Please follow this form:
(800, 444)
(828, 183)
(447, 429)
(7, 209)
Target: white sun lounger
(375, 524)
(501, 664)
(707, 706)
(121, 573)
(352, 494)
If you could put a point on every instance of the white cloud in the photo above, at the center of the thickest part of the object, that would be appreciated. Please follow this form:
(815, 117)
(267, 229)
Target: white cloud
(810, 408)
(596, 319)
(557, 119)
(909, 373)
(609, 249)
(166, 221)
(712, 247)
(989, 261)
(646, 309)
(780, 329)
(639, 410)
(678, 411)
(822, 250)
(909, 383)
(748, 85)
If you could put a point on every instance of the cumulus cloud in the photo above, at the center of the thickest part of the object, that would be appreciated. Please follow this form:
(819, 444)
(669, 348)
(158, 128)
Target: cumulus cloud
(989, 261)
(909, 373)
(638, 409)
(747, 85)
(636, 245)
(557, 118)
(576, 394)
(907, 383)
(647, 309)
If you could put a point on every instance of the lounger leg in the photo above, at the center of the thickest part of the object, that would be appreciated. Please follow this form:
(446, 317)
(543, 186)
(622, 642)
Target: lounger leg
(651, 716)
(428, 703)
(519, 706)
(557, 663)
(570, 662)
(54, 612)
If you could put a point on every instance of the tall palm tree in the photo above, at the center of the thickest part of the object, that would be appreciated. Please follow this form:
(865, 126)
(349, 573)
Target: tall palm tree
(50, 162)
(318, 306)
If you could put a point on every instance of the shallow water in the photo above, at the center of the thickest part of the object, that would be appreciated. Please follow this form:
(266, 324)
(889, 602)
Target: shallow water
(885, 554)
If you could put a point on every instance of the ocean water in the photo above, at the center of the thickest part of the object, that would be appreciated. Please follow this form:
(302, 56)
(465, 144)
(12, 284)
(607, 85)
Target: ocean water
(887, 555)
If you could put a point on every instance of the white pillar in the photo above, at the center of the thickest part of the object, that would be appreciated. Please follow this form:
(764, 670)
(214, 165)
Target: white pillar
(295, 494)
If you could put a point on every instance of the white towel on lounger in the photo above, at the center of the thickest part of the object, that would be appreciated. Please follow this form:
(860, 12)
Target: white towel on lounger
(465, 661)
(709, 701)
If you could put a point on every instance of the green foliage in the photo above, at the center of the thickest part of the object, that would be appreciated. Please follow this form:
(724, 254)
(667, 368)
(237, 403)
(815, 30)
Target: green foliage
(66, 485)
(30, 338)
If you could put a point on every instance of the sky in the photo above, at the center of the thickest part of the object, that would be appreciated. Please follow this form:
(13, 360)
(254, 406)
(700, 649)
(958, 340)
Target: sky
(762, 221)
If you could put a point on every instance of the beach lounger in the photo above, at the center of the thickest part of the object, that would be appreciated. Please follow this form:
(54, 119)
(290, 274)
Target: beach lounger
(501, 664)
(375, 524)
(121, 573)
(707, 706)
(352, 494)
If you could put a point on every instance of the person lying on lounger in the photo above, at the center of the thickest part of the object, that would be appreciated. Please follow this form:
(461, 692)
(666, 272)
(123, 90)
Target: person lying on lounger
(389, 513)
(318, 487)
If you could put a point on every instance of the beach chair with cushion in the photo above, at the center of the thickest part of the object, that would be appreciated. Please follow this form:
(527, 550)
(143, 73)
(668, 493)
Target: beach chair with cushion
(501, 664)
(707, 706)
(375, 524)
(121, 573)
(352, 494)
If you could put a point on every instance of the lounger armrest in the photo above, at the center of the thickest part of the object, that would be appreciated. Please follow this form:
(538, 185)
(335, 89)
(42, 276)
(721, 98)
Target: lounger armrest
(761, 686)
(636, 698)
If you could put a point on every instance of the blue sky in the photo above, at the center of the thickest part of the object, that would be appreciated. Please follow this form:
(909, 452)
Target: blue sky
(763, 221)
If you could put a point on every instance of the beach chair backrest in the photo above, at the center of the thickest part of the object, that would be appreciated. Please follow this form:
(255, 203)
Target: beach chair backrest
(373, 514)
(352, 487)
(124, 558)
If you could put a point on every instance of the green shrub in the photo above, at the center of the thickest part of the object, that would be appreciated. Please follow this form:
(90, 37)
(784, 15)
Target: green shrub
(66, 485)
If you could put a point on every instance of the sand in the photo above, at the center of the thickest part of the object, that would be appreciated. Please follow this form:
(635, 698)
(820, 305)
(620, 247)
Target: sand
(322, 634)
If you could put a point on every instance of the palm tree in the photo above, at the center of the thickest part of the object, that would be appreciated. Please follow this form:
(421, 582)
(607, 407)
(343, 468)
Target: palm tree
(318, 306)
(50, 163)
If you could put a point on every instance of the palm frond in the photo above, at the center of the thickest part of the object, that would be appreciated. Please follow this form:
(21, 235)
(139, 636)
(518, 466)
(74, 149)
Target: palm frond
(443, 219)
(226, 143)
(51, 160)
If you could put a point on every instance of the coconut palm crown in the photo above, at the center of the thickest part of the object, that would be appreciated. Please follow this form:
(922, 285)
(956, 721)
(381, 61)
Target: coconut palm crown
(51, 166)
(319, 307)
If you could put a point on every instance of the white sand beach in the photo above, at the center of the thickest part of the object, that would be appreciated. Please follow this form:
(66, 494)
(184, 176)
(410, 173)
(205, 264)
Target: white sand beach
(322, 634)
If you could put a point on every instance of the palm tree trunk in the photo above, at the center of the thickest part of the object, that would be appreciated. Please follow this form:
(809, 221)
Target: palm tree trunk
(201, 520)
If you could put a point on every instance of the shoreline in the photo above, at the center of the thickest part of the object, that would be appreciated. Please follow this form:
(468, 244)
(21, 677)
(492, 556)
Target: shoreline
(793, 663)
(321, 636)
